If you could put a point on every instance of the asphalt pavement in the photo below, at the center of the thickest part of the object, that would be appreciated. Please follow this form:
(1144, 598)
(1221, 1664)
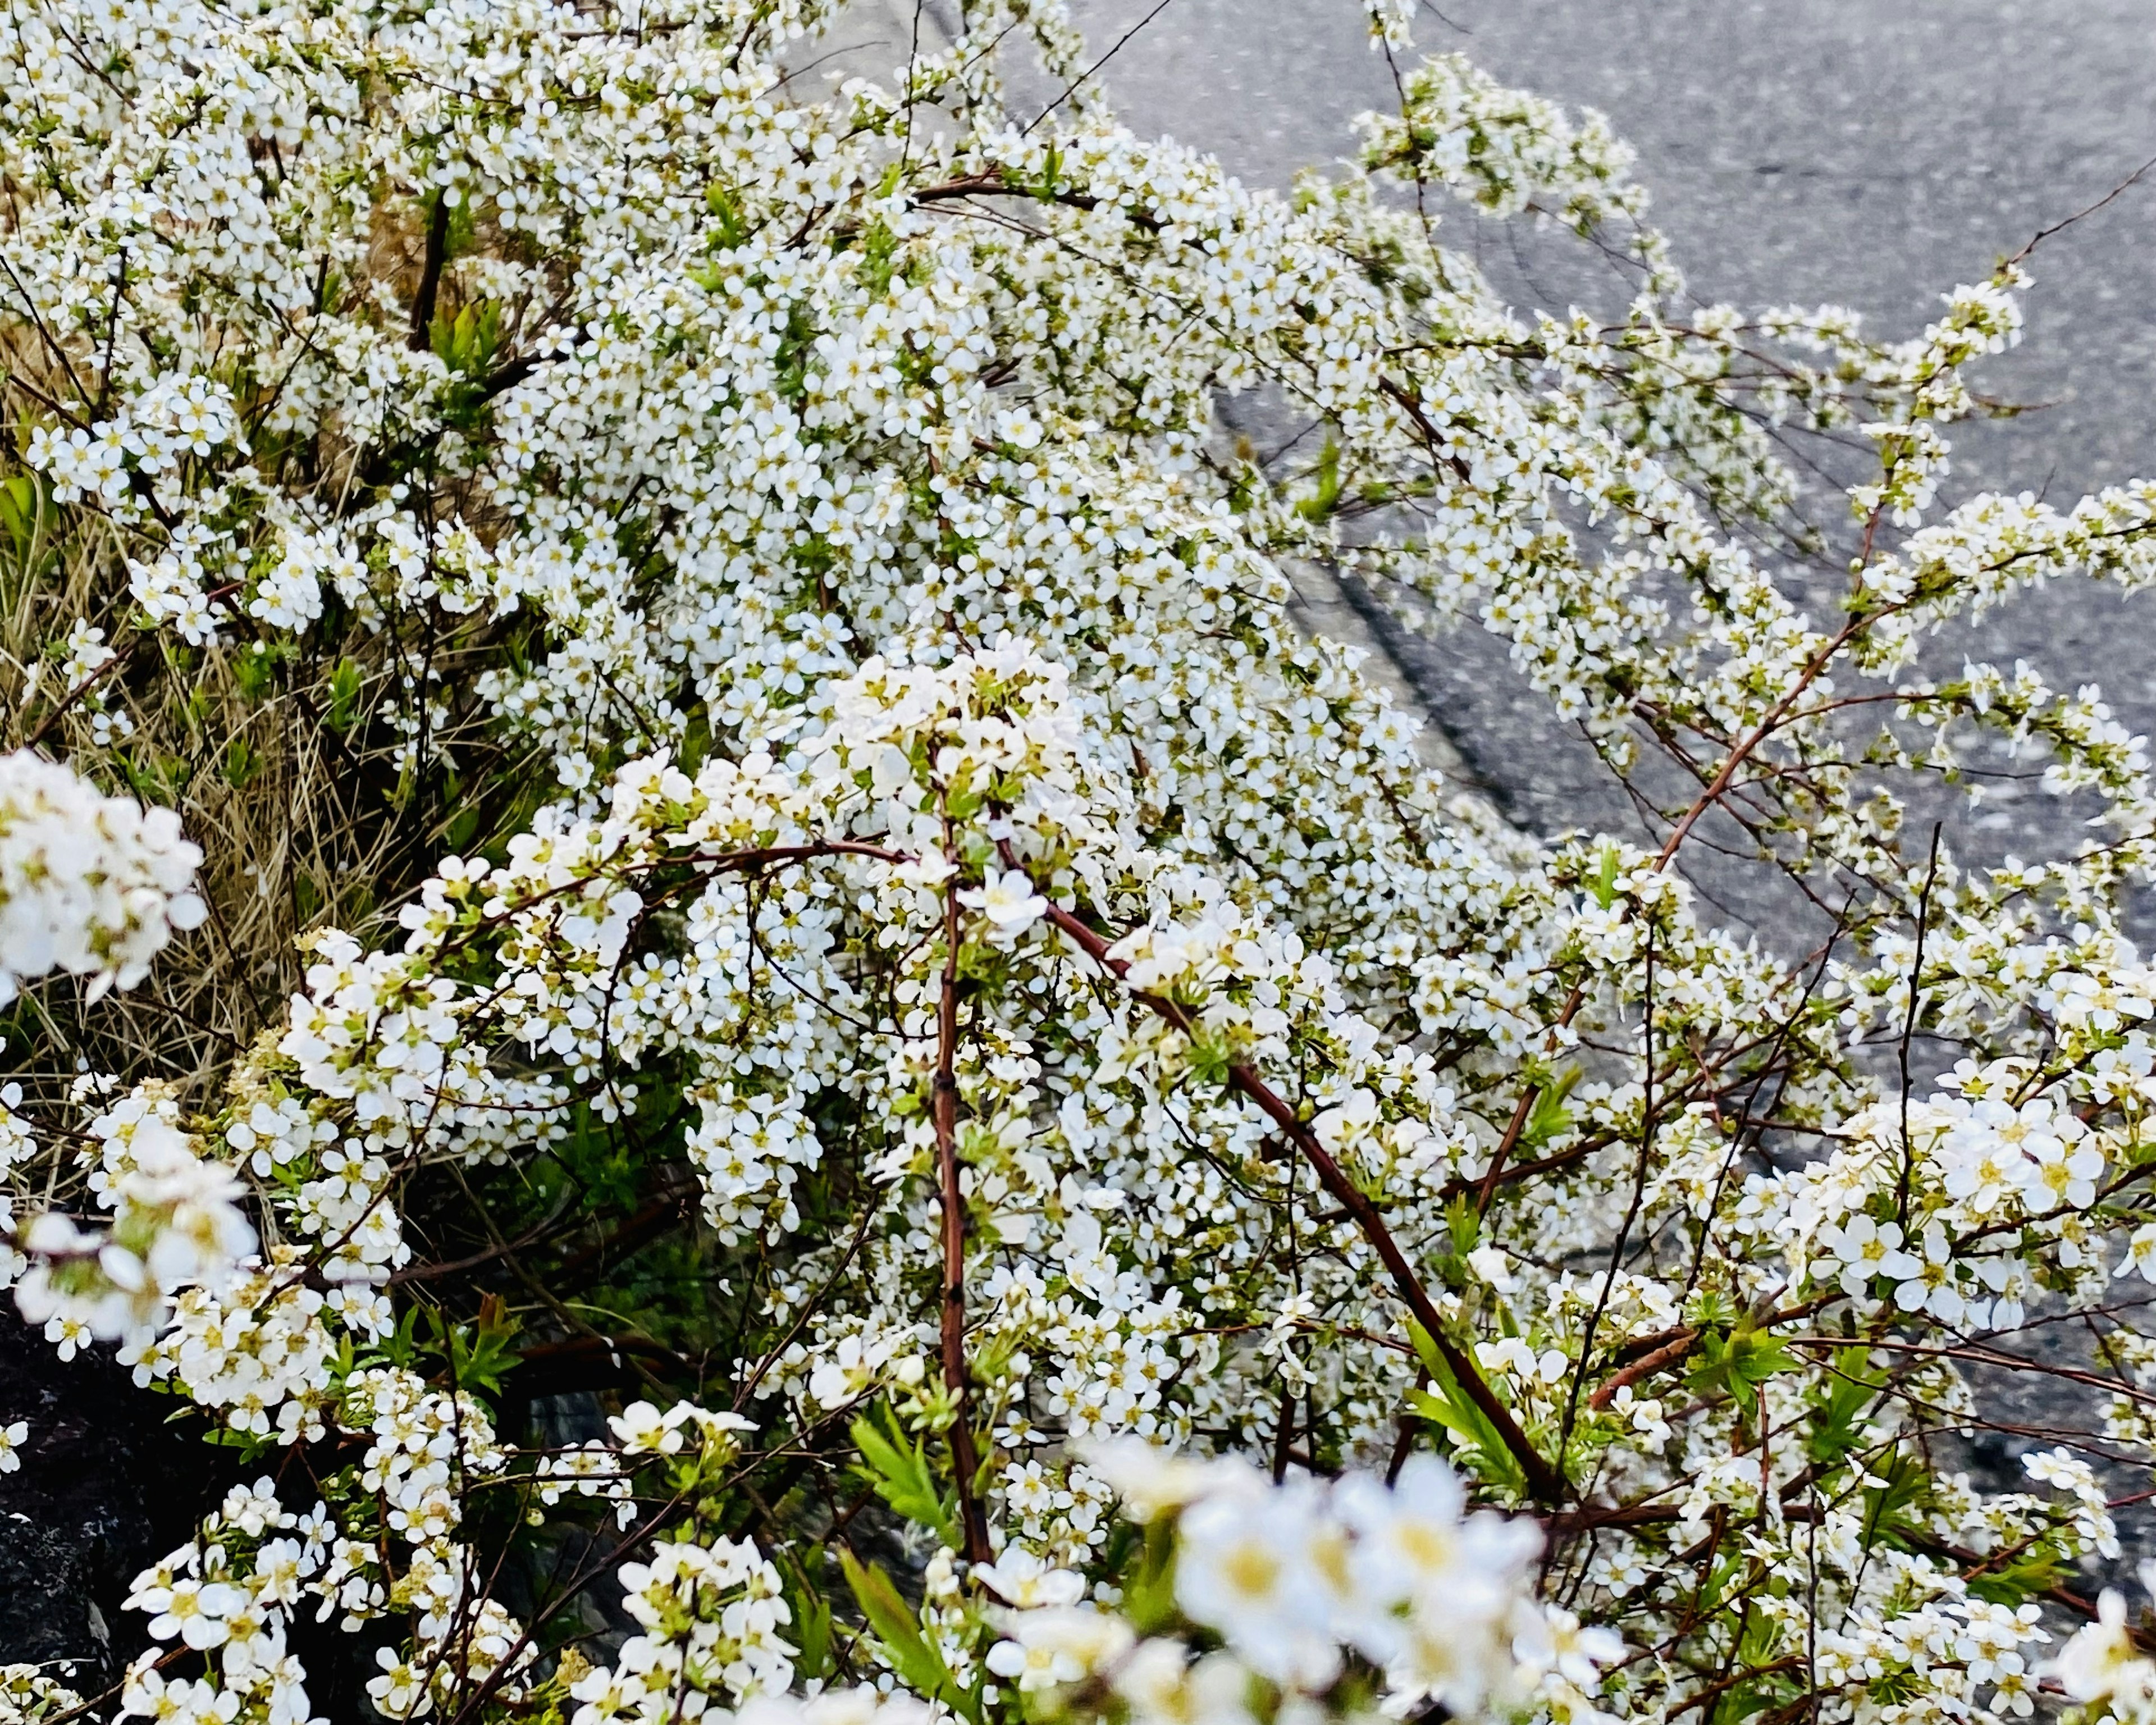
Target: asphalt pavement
(1870, 153)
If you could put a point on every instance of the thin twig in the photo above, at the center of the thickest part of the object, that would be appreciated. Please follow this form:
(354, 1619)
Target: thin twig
(965, 1463)
(1544, 1482)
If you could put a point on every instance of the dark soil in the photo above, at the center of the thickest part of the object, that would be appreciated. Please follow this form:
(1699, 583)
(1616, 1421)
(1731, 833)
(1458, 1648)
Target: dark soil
(106, 1488)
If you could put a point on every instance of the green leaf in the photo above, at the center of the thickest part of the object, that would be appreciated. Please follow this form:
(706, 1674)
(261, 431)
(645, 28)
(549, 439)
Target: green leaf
(1894, 1511)
(346, 683)
(1838, 1422)
(897, 1630)
(480, 1355)
(879, 256)
(898, 1468)
(1549, 1119)
(1603, 883)
(2033, 1572)
(29, 517)
(811, 1624)
(241, 762)
(1149, 1585)
(1323, 502)
(1210, 1059)
(1445, 1405)
(730, 229)
(466, 342)
(1737, 1364)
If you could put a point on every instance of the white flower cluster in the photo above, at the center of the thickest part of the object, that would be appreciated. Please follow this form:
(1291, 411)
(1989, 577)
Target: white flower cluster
(2105, 1669)
(89, 884)
(711, 1617)
(30, 1696)
(176, 1225)
(1288, 1576)
(229, 1596)
(792, 546)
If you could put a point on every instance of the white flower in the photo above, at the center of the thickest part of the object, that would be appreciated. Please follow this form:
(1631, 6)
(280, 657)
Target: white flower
(89, 884)
(1059, 1646)
(1866, 1248)
(1152, 1481)
(1007, 900)
(1024, 1581)
(641, 1430)
(1263, 1576)
(2101, 1661)
(1554, 1640)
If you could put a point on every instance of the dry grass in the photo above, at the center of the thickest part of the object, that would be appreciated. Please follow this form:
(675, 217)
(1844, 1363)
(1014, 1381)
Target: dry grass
(299, 799)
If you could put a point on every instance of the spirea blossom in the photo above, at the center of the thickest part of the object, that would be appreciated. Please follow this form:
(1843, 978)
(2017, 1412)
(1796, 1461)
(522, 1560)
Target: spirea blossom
(177, 1223)
(89, 884)
(823, 1008)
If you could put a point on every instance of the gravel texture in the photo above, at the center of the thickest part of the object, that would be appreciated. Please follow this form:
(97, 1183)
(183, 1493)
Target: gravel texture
(103, 1488)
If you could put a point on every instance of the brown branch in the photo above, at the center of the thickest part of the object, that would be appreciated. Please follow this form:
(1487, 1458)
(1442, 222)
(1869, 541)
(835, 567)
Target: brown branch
(1777, 715)
(421, 337)
(68, 700)
(1545, 1482)
(965, 1463)
(1715, 1691)
(1643, 1356)
(1668, 1354)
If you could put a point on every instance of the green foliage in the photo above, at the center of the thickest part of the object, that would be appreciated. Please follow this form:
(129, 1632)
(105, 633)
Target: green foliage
(1840, 1418)
(1149, 1582)
(347, 682)
(479, 1355)
(1550, 1118)
(466, 344)
(807, 1599)
(31, 522)
(896, 1467)
(1735, 1362)
(897, 1630)
(1326, 498)
(729, 227)
(1602, 884)
(2022, 1578)
(1893, 1510)
(1448, 1406)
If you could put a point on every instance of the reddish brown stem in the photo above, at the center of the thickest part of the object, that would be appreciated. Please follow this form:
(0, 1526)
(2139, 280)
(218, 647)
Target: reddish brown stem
(1668, 1354)
(1544, 1482)
(965, 1463)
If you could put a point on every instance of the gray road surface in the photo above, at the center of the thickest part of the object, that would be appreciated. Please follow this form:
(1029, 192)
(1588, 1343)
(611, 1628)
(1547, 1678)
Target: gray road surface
(1868, 152)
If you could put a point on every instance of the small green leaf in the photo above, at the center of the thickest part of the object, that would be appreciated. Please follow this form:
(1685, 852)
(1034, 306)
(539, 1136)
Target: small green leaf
(1149, 1585)
(346, 683)
(241, 762)
(811, 1613)
(1603, 883)
(1446, 1405)
(1838, 1422)
(1321, 503)
(898, 1468)
(897, 1630)
(1550, 1119)
(1737, 1364)
(729, 230)
(2033, 1572)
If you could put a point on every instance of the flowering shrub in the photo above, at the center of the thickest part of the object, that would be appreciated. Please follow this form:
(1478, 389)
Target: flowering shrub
(833, 907)
(89, 884)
